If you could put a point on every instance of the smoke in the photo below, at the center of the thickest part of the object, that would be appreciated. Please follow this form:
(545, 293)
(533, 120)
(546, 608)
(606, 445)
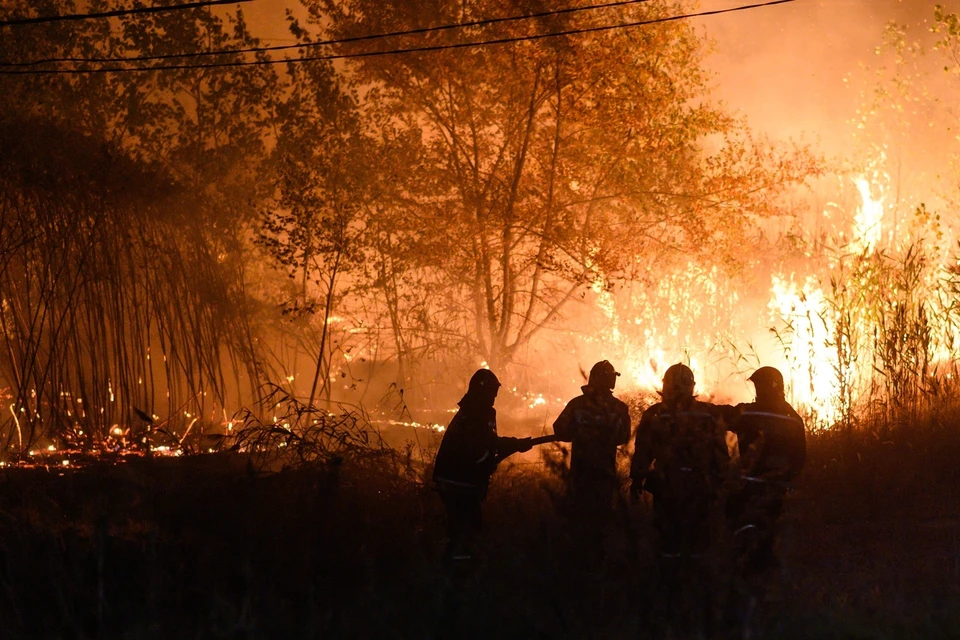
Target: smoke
(802, 69)
(268, 19)
(796, 70)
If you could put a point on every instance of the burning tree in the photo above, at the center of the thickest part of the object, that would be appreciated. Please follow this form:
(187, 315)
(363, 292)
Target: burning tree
(549, 164)
(448, 202)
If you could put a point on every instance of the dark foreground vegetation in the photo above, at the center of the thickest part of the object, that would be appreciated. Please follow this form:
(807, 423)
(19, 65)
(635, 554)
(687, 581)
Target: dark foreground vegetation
(219, 546)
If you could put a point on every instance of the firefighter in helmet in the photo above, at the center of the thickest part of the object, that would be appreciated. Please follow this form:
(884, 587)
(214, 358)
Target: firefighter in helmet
(596, 423)
(772, 444)
(681, 459)
(469, 453)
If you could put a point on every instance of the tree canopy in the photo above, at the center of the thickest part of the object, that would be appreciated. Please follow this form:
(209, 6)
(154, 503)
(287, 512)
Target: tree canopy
(394, 208)
(549, 164)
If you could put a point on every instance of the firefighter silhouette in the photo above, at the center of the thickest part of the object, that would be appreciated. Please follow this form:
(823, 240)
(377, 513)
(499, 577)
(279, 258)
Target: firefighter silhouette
(681, 459)
(595, 423)
(773, 450)
(469, 453)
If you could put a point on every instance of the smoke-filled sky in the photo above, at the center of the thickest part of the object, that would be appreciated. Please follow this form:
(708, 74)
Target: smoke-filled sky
(783, 67)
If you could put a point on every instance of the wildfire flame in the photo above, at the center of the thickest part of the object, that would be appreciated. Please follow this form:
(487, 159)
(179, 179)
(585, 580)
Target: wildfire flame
(809, 355)
(806, 358)
(868, 224)
(795, 329)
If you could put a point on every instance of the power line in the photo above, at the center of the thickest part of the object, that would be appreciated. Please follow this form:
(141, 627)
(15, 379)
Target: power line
(323, 43)
(370, 54)
(116, 13)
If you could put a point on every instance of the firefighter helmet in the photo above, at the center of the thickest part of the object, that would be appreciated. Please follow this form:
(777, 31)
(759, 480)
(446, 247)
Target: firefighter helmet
(484, 384)
(603, 375)
(678, 381)
(768, 382)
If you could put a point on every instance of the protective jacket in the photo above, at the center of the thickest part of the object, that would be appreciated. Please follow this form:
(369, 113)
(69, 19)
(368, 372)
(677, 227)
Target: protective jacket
(773, 449)
(471, 449)
(681, 459)
(680, 449)
(771, 440)
(596, 423)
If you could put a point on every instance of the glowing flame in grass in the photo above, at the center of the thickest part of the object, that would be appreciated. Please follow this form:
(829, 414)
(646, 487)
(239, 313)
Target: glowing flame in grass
(815, 356)
(868, 223)
(439, 428)
(682, 319)
(643, 369)
(700, 316)
(807, 354)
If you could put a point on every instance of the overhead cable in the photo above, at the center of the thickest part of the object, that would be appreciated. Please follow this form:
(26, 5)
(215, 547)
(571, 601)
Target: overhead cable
(116, 12)
(370, 54)
(323, 43)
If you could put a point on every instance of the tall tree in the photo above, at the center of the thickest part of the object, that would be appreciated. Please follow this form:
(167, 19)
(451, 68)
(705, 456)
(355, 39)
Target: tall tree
(549, 164)
(314, 225)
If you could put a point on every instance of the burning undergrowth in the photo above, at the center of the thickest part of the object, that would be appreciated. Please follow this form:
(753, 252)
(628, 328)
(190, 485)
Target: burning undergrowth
(299, 434)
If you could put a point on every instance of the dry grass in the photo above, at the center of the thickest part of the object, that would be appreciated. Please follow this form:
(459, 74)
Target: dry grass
(348, 545)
